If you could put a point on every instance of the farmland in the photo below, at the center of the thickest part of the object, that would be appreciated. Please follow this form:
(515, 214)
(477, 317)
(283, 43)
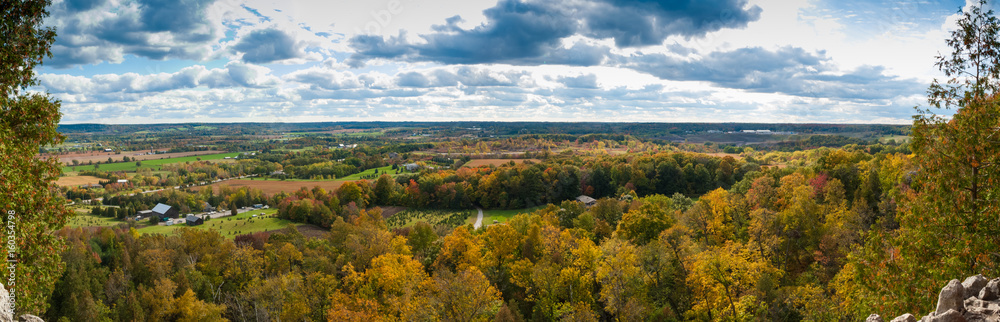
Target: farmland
(151, 164)
(77, 180)
(449, 218)
(230, 227)
(85, 157)
(495, 162)
(276, 186)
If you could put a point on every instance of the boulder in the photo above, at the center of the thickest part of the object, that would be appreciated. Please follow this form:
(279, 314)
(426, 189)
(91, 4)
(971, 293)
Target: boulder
(5, 314)
(973, 284)
(990, 292)
(30, 318)
(948, 316)
(905, 318)
(874, 318)
(952, 297)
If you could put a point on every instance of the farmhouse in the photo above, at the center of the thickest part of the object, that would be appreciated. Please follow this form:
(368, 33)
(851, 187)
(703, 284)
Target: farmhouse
(586, 200)
(165, 211)
(193, 220)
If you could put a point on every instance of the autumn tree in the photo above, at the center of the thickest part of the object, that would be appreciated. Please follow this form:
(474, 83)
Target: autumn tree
(28, 121)
(950, 222)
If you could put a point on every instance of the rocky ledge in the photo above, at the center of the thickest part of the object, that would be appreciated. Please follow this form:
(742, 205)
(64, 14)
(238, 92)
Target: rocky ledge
(974, 300)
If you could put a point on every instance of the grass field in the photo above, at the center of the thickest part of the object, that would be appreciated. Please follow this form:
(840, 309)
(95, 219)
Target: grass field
(154, 164)
(230, 227)
(496, 162)
(87, 220)
(502, 215)
(357, 176)
(452, 218)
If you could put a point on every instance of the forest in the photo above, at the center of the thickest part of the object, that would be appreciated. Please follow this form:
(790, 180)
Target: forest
(606, 221)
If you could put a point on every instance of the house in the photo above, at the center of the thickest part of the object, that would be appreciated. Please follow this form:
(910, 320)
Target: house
(122, 180)
(393, 155)
(164, 211)
(208, 207)
(411, 167)
(586, 200)
(193, 220)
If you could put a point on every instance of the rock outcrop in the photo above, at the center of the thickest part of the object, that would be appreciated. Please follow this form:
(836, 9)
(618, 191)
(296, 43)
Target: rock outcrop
(6, 315)
(976, 299)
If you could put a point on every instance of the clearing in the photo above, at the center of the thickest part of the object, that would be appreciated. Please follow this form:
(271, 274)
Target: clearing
(77, 180)
(502, 215)
(495, 162)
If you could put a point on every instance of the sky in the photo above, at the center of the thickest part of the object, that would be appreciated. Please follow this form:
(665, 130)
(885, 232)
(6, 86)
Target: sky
(767, 61)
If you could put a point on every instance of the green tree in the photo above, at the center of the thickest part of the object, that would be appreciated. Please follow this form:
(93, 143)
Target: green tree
(950, 222)
(28, 121)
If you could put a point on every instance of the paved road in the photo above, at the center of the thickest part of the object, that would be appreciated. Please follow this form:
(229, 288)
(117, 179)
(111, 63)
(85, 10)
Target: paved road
(479, 220)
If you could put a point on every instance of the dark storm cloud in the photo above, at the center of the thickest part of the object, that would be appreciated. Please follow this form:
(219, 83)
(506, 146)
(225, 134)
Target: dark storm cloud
(787, 70)
(268, 45)
(528, 32)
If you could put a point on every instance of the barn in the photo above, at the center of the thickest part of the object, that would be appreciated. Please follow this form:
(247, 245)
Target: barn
(165, 211)
(193, 220)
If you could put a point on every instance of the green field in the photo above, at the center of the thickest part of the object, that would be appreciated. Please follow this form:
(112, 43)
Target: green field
(452, 218)
(501, 215)
(151, 164)
(85, 219)
(230, 227)
(357, 176)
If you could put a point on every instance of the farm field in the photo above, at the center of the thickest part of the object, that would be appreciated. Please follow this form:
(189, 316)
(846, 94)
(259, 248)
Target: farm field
(496, 162)
(77, 180)
(276, 186)
(85, 219)
(501, 215)
(84, 157)
(434, 217)
(230, 227)
(357, 176)
(152, 164)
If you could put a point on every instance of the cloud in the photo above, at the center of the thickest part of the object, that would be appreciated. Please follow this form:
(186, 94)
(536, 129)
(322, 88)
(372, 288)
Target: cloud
(94, 31)
(582, 81)
(533, 32)
(464, 76)
(269, 45)
(235, 74)
(642, 23)
(787, 70)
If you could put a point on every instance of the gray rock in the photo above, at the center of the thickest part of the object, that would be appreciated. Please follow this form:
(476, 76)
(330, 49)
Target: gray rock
(973, 284)
(5, 313)
(30, 318)
(948, 316)
(905, 318)
(990, 292)
(952, 297)
(874, 318)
